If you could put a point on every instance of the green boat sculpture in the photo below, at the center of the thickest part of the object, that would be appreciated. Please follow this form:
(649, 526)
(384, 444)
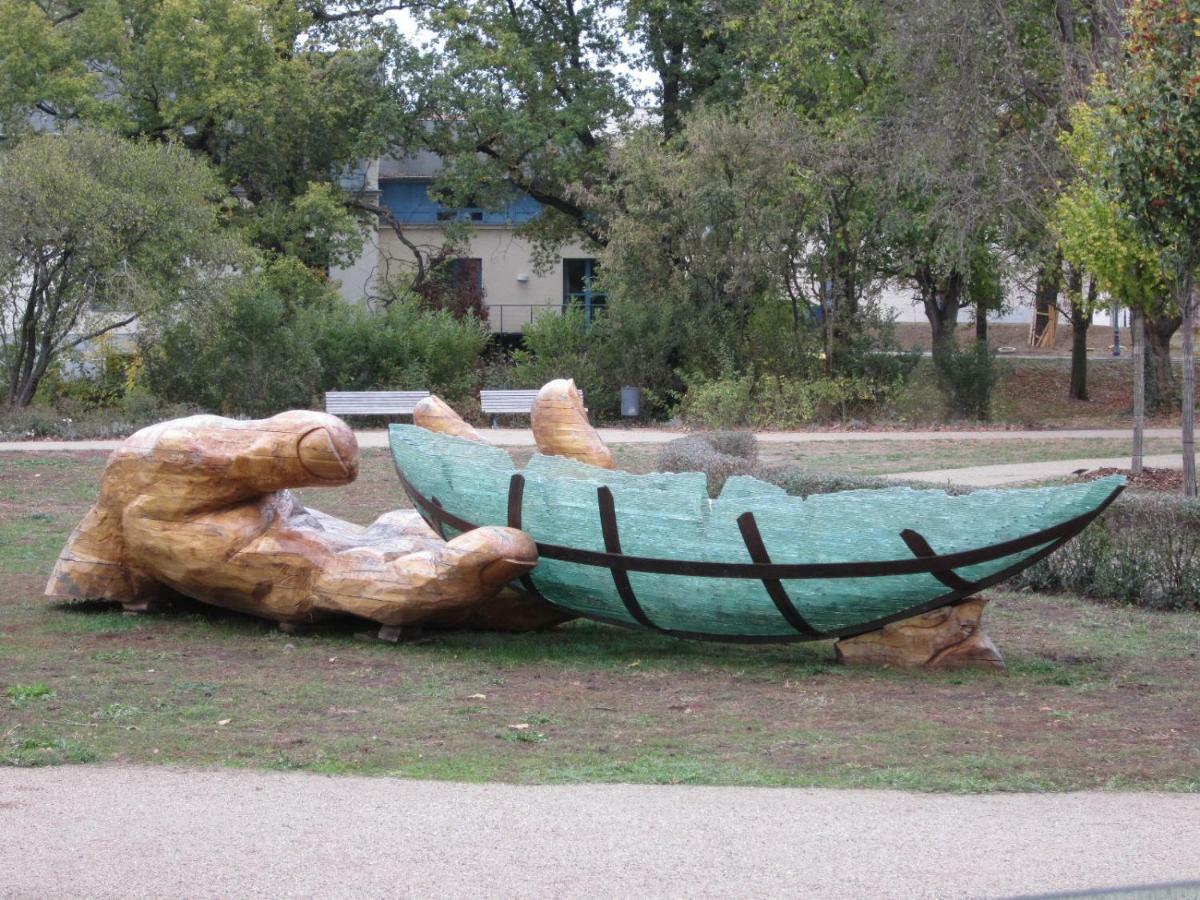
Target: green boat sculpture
(753, 565)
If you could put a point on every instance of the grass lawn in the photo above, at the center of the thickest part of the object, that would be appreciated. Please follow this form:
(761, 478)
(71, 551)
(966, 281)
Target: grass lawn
(1095, 696)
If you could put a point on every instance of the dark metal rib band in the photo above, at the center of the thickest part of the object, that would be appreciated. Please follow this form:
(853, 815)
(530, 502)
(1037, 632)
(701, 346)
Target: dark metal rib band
(920, 548)
(516, 496)
(440, 518)
(788, 571)
(612, 543)
(758, 552)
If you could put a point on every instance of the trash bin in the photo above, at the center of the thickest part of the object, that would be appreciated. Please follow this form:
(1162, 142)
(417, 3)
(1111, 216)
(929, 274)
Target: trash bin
(631, 402)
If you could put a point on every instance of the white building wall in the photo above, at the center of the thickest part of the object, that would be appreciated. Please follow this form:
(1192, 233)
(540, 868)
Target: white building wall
(514, 292)
(904, 304)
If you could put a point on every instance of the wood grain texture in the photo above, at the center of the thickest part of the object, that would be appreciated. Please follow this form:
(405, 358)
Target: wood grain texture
(561, 428)
(200, 506)
(514, 608)
(434, 414)
(948, 638)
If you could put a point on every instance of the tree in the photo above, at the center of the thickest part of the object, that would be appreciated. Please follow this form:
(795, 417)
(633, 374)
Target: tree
(523, 96)
(97, 231)
(694, 50)
(714, 226)
(975, 85)
(1096, 234)
(820, 60)
(1156, 140)
(278, 97)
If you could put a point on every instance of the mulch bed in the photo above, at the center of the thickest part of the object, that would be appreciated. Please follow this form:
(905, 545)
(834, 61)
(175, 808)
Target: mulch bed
(1150, 479)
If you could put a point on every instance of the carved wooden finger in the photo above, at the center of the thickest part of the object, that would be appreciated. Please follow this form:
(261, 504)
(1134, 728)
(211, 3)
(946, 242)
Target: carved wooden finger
(434, 414)
(561, 428)
(948, 638)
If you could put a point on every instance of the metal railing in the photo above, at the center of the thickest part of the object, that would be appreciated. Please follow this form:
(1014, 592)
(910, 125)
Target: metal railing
(511, 318)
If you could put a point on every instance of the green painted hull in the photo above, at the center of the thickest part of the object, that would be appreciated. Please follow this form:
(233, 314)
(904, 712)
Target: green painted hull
(754, 564)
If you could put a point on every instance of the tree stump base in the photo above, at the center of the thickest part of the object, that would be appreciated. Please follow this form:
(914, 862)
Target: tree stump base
(948, 638)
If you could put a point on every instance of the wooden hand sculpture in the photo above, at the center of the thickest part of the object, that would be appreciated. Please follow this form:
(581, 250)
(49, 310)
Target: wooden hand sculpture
(199, 505)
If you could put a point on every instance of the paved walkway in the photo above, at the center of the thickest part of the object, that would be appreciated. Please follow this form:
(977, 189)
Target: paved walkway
(523, 437)
(157, 832)
(1021, 473)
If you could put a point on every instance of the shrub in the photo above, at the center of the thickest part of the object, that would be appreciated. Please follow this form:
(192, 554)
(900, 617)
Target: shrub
(742, 444)
(565, 346)
(968, 377)
(774, 401)
(69, 422)
(1144, 550)
(718, 403)
(246, 353)
(279, 338)
(404, 347)
(695, 453)
(704, 453)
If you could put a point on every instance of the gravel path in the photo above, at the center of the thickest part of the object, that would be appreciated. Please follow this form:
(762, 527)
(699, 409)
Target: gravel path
(158, 832)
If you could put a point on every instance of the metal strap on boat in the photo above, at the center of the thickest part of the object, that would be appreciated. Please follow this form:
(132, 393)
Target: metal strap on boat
(1042, 543)
(919, 565)
(920, 548)
(516, 498)
(758, 552)
(612, 543)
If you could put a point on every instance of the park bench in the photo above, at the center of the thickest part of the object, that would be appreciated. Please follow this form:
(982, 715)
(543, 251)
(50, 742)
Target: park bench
(508, 403)
(373, 403)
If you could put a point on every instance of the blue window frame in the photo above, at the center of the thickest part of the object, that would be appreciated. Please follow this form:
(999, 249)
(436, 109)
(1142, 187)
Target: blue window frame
(411, 204)
(579, 278)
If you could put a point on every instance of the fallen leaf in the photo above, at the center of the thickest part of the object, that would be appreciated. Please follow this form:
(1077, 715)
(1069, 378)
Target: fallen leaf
(520, 726)
(636, 662)
(224, 721)
(477, 697)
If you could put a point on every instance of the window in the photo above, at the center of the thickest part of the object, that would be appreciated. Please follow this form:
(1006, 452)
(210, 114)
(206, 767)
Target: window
(579, 276)
(455, 284)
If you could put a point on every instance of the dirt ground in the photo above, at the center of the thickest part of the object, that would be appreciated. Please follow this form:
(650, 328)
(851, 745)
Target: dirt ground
(916, 335)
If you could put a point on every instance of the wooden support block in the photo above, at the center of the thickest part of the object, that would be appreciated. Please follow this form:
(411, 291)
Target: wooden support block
(948, 638)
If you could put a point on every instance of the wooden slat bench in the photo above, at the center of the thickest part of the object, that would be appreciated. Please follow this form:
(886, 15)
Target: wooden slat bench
(373, 403)
(508, 403)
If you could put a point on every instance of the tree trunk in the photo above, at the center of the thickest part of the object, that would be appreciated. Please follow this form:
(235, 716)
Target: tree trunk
(1159, 329)
(1081, 321)
(1188, 304)
(981, 322)
(941, 299)
(1045, 293)
(1137, 335)
(1079, 335)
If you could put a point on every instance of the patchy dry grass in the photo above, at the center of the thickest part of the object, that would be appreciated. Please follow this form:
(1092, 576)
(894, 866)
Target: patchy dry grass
(1095, 696)
(889, 457)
